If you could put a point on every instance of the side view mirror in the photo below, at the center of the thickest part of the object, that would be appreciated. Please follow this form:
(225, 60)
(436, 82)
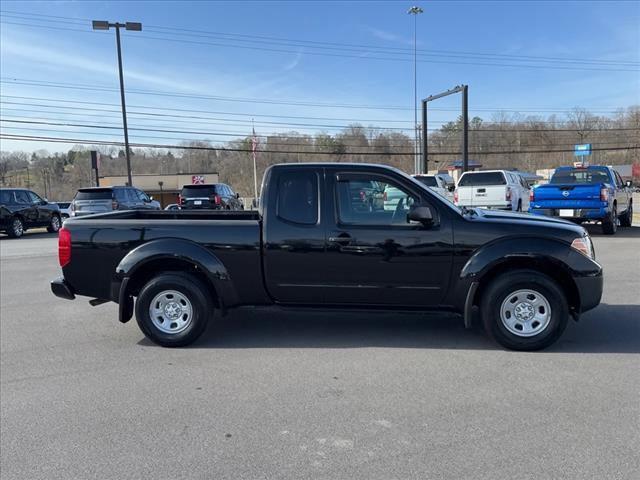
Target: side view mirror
(422, 214)
(150, 199)
(629, 183)
(451, 188)
(237, 195)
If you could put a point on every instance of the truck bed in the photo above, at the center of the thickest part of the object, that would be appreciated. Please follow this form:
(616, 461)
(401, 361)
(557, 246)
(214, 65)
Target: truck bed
(100, 242)
(174, 215)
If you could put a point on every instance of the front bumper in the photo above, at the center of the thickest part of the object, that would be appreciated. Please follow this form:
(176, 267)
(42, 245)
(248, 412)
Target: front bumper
(62, 289)
(590, 291)
(578, 213)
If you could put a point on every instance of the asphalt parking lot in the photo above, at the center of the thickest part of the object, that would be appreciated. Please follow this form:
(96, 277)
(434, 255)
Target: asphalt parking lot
(270, 394)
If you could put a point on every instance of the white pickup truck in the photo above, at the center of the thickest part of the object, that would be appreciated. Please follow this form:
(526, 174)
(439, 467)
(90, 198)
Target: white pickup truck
(500, 189)
(437, 183)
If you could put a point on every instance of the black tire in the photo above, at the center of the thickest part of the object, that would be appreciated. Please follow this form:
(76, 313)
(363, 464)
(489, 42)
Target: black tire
(16, 227)
(505, 286)
(55, 224)
(188, 286)
(610, 224)
(627, 217)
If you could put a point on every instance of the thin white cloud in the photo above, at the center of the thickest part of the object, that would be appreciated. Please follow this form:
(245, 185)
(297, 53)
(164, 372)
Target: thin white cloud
(293, 63)
(58, 58)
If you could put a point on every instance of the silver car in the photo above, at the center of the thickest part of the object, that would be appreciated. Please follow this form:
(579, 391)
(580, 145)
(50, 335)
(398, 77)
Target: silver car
(89, 201)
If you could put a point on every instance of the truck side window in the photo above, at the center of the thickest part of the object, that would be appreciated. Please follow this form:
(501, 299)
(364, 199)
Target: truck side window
(372, 201)
(298, 197)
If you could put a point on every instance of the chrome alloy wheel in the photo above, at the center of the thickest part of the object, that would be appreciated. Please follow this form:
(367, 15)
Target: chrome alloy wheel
(525, 313)
(18, 227)
(171, 312)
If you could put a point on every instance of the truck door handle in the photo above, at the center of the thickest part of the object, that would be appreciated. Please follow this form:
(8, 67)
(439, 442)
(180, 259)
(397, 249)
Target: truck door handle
(342, 239)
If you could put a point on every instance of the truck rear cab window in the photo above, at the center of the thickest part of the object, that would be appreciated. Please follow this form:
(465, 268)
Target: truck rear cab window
(580, 176)
(297, 200)
(482, 179)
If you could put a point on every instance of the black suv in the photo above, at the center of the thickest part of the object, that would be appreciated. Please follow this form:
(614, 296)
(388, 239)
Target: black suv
(106, 199)
(21, 209)
(212, 196)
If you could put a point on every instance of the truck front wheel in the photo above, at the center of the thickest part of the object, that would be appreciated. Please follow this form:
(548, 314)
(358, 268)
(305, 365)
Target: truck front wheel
(627, 218)
(524, 310)
(173, 310)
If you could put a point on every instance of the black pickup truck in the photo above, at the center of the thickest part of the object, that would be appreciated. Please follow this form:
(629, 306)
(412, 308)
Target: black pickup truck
(318, 240)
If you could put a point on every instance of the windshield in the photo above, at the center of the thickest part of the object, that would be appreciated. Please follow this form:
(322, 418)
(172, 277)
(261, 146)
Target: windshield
(580, 176)
(482, 178)
(428, 181)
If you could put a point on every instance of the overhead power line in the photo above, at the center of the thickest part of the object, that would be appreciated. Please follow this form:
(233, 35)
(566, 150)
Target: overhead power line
(363, 50)
(196, 147)
(106, 88)
(269, 144)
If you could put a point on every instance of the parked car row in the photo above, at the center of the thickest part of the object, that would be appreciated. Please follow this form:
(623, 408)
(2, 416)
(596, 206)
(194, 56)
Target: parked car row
(578, 193)
(22, 209)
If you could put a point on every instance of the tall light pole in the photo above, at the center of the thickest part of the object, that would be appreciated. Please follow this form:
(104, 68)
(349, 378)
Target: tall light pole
(136, 27)
(415, 11)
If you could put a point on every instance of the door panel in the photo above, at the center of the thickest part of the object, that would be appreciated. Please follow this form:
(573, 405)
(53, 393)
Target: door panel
(42, 214)
(294, 236)
(374, 256)
(26, 207)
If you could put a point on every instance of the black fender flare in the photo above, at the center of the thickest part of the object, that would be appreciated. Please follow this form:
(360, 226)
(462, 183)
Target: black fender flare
(506, 249)
(553, 256)
(187, 251)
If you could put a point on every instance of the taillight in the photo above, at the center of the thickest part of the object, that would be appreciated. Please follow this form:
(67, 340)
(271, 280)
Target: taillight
(507, 194)
(216, 199)
(384, 196)
(64, 246)
(180, 199)
(114, 205)
(72, 206)
(604, 194)
(455, 196)
(532, 195)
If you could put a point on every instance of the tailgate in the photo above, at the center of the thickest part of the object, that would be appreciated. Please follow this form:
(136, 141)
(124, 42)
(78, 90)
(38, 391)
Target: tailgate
(93, 206)
(198, 202)
(465, 196)
(567, 195)
(488, 195)
(481, 195)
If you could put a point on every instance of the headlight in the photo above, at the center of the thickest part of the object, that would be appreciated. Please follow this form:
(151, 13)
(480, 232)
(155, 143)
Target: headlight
(584, 246)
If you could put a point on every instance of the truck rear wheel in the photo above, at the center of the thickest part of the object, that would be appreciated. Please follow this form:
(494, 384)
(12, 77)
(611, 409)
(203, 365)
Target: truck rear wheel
(173, 310)
(610, 224)
(524, 310)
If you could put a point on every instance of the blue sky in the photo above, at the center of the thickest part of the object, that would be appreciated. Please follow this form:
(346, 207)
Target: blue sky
(364, 60)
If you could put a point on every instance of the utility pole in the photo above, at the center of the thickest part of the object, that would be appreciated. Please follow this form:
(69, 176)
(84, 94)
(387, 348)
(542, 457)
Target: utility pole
(134, 26)
(465, 128)
(415, 11)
